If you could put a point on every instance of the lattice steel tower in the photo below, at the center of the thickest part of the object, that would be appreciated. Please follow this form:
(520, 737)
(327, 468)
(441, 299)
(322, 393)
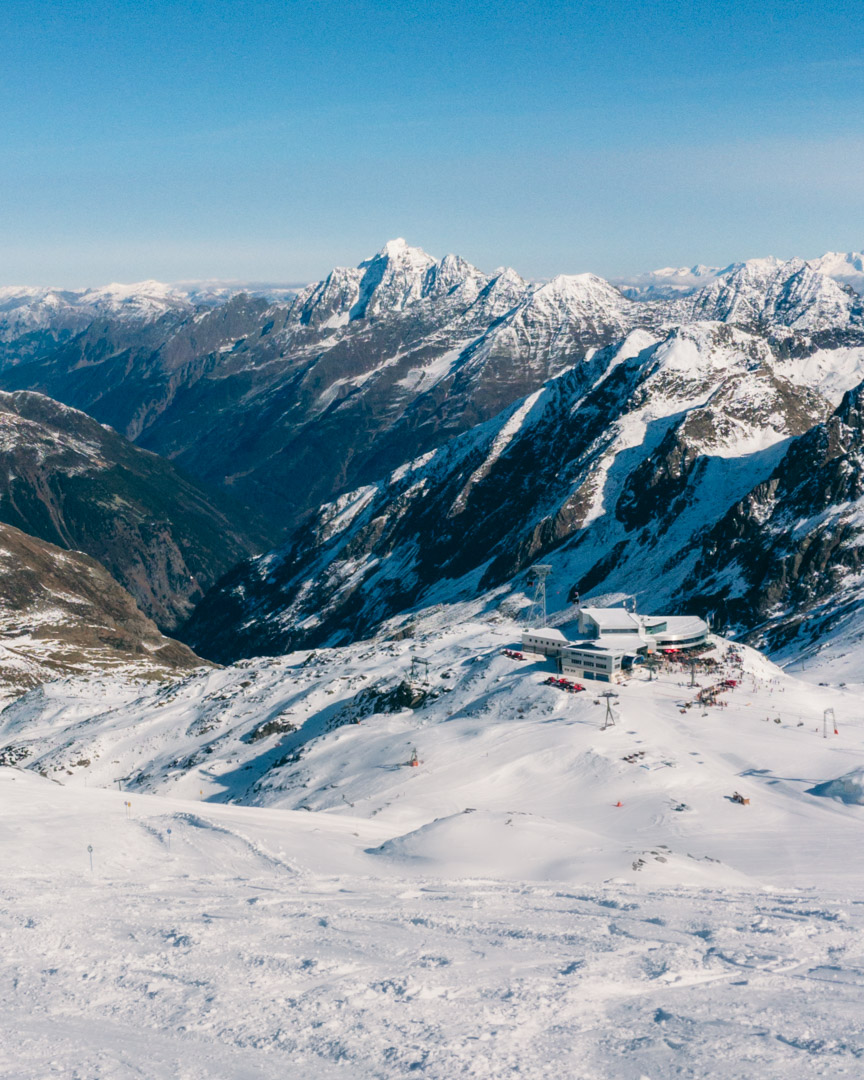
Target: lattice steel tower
(537, 575)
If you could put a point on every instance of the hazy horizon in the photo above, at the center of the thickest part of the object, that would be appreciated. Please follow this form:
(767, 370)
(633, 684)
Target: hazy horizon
(298, 283)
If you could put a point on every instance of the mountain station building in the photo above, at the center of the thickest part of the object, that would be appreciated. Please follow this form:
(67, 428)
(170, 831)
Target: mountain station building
(615, 641)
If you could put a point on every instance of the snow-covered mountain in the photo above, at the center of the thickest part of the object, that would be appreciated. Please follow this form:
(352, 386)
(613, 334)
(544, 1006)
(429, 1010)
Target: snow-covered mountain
(24, 310)
(788, 559)
(536, 897)
(670, 282)
(288, 405)
(500, 881)
(791, 295)
(844, 267)
(27, 308)
(419, 428)
(333, 731)
(610, 471)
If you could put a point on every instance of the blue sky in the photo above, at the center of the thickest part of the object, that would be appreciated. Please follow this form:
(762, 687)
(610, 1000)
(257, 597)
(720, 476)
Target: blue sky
(270, 140)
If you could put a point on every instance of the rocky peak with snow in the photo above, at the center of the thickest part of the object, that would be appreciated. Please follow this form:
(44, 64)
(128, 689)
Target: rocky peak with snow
(789, 295)
(671, 282)
(392, 280)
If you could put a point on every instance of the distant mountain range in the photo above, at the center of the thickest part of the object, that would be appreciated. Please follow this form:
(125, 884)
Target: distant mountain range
(287, 405)
(846, 268)
(414, 430)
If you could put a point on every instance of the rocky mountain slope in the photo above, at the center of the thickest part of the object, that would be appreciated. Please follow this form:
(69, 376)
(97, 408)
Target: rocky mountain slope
(609, 471)
(788, 559)
(63, 615)
(73, 482)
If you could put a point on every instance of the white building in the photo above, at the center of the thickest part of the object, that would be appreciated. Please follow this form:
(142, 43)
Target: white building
(546, 640)
(653, 631)
(600, 622)
(679, 632)
(615, 641)
(591, 660)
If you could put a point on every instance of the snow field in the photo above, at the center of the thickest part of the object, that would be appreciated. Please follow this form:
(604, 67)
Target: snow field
(326, 909)
(241, 953)
(294, 733)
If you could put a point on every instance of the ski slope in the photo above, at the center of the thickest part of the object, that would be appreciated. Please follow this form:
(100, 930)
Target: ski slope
(270, 943)
(322, 908)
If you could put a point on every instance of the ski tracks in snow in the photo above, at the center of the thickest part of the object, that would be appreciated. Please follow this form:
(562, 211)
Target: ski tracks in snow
(263, 975)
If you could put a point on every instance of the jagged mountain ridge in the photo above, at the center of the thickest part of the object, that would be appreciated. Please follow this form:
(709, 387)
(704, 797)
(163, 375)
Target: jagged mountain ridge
(670, 282)
(33, 320)
(27, 308)
(289, 405)
(72, 482)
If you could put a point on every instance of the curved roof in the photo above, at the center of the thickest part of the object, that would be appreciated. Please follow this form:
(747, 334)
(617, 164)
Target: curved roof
(681, 628)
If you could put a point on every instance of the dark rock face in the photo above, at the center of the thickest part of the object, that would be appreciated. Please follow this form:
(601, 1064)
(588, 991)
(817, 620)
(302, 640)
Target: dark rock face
(795, 544)
(61, 613)
(70, 481)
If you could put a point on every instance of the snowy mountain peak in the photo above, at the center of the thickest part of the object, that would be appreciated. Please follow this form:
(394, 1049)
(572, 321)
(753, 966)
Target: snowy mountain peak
(791, 294)
(453, 275)
(576, 285)
(399, 252)
(579, 296)
(668, 282)
(847, 268)
(394, 247)
(147, 299)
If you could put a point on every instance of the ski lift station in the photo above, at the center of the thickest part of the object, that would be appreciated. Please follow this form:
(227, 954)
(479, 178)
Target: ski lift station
(615, 640)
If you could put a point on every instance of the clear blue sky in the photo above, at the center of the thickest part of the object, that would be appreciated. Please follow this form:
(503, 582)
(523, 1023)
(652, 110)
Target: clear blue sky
(271, 139)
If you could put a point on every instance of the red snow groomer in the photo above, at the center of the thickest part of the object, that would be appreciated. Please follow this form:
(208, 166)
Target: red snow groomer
(563, 684)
